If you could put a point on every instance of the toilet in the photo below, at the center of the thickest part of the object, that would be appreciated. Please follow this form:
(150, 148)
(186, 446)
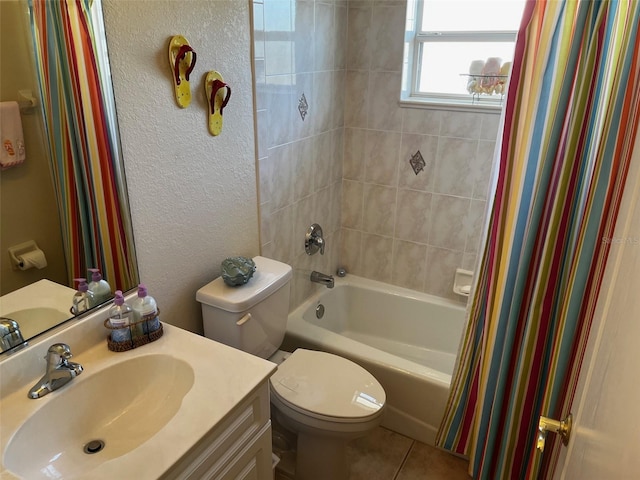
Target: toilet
(326, 400)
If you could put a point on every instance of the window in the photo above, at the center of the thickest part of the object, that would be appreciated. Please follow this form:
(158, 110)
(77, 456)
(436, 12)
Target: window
(458, 52)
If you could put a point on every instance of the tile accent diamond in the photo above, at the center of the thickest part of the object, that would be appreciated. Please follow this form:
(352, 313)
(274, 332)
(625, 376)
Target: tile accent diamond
(417, 162)
(303, 106)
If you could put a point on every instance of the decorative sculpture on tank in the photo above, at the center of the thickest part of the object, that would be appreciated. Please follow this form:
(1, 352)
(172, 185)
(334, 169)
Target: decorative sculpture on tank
(237, 270)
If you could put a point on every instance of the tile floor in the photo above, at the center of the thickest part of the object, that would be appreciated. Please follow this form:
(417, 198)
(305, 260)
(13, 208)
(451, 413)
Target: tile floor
(386, 455)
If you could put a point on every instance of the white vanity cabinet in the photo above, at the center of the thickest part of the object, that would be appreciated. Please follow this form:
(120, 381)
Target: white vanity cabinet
(239, 447)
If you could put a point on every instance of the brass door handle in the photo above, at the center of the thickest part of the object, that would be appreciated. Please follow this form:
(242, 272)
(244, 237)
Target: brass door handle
(562, 427)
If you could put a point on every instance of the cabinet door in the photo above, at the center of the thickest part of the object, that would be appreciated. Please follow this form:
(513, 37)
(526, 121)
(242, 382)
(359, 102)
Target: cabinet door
(253, 462)
(221, 446)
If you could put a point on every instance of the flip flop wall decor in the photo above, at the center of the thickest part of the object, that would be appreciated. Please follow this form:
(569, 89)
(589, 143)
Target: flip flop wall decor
(182, 59)
(218, 94)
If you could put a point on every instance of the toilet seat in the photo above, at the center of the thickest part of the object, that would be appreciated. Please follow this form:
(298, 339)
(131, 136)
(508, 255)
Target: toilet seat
(327, 387)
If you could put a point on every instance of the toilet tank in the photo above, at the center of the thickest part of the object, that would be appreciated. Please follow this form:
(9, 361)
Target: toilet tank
(251, 317)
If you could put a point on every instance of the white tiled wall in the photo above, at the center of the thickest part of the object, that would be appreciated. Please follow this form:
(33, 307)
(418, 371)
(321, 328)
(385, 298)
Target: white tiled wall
(347, 165)
(299, 50)
(402, 228)
(415, 230)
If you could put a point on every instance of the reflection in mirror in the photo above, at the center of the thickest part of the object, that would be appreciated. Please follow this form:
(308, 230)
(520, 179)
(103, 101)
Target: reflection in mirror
(68, 196)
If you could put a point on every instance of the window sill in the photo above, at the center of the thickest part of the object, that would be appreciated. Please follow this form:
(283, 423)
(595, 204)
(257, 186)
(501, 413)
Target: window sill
(450, 105)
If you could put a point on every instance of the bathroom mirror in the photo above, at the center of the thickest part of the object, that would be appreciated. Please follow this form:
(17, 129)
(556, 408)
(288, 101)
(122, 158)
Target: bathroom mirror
(29, 198)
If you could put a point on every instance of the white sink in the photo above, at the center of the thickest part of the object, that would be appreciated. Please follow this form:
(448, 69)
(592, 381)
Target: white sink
(122, 406)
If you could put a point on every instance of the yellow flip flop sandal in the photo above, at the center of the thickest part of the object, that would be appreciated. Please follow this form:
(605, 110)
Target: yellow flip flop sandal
(214, 87)
(182, 59)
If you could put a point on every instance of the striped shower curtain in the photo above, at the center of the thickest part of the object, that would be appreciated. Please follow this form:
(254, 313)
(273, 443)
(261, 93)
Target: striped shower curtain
(568, 127)
(79, 124)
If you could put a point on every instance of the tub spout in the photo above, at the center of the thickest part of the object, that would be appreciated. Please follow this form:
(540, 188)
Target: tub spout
(322, 279)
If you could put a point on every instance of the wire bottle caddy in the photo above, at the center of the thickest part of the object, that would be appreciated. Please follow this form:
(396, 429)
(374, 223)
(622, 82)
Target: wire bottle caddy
(135, 334)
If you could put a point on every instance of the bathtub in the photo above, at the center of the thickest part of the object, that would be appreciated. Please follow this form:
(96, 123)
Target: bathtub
(406, 339)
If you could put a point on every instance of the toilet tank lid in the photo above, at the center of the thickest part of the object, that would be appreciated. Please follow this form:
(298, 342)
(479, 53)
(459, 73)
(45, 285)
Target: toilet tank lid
(269, 276)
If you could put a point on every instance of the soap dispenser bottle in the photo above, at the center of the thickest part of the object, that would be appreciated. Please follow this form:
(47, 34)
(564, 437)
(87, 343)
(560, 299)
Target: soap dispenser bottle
(83, 299)
(100, 288)
(120, 316)
(145, 308)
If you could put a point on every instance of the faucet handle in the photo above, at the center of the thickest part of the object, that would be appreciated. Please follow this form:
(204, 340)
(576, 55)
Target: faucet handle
(58, 353)
(320, 242)
(313, 240)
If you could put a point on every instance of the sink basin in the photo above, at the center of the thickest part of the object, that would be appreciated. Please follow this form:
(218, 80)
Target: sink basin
(37, 307)
(36, 320)
(122, 405)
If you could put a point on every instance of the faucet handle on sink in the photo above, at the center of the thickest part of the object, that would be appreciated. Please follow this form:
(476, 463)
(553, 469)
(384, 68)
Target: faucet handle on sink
(58, 354)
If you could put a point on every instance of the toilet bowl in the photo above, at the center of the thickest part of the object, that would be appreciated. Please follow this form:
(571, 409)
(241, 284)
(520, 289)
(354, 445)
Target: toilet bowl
(326, 400)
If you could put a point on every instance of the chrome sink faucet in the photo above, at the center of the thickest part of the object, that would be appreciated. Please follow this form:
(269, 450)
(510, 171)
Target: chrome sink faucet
(60, 371)
(322, 279)
(10, 335)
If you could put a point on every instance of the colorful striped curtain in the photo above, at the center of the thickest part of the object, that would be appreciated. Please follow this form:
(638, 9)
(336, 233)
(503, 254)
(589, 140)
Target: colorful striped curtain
(80, 128)
(569, 123)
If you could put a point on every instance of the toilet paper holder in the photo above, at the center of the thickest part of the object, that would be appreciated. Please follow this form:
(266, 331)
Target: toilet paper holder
(17, 251)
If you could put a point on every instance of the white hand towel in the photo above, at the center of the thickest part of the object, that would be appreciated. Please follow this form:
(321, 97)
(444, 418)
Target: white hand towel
(12, 149)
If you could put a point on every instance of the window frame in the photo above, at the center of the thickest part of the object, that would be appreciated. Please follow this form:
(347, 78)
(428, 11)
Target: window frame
(415, 39)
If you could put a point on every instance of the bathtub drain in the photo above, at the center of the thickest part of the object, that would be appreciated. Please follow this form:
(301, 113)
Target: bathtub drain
(320, 311)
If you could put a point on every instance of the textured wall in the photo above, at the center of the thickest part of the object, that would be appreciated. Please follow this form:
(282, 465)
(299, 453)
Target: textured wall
(193, 196)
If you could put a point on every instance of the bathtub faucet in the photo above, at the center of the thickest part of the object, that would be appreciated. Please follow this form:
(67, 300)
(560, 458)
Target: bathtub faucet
(322, 279)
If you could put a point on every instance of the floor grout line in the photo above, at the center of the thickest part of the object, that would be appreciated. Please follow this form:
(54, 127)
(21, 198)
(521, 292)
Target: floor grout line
(404, 460)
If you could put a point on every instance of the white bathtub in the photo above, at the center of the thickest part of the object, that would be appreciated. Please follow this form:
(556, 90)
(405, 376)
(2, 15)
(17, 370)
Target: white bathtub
(406, 339)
